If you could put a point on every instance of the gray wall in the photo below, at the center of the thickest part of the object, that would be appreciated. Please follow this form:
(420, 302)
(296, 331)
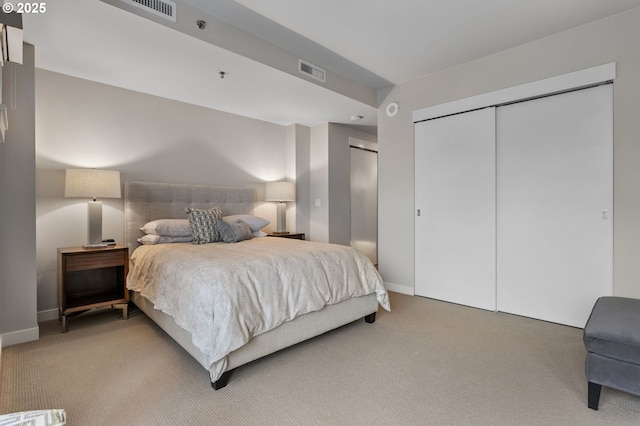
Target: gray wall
(319, 183)
(329, 181)
(299, 137)
(609, 40)
(339, 181)
(86, 124)
(18, 320)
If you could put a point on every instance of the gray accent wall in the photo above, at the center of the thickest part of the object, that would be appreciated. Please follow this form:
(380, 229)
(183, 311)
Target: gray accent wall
(18, 318)
(613, 39)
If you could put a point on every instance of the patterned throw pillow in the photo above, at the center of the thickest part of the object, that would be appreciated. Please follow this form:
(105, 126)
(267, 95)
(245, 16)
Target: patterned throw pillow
(234, 232)
(204, 226)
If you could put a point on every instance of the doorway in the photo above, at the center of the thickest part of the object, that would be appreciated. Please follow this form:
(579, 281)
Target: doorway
(364, 198)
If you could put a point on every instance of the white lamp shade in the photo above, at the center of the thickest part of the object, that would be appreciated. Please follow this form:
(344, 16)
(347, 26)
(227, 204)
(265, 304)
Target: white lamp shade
(92, 183)
(280, 191)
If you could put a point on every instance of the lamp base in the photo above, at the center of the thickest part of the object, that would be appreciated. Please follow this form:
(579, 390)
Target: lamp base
(281, 218)
(94, 230)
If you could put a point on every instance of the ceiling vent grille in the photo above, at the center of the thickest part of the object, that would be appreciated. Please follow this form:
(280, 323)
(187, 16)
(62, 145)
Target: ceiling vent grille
(164, 8)
(312, 71)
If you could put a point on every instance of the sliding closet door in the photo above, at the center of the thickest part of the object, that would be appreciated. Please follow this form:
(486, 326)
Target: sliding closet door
(554, 205)
(455, 208)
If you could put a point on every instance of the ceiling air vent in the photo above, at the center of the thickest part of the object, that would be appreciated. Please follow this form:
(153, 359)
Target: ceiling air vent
(312, 71)
(164, 8)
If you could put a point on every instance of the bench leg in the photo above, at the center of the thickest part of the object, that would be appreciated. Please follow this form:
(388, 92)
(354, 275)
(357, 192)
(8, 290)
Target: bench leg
(594, 395)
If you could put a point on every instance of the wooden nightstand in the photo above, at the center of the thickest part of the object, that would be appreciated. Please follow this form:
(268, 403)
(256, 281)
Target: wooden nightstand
(298, 236)
(91, 278)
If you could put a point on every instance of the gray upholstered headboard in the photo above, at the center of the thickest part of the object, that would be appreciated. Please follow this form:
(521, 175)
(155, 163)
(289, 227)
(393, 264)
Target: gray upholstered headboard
(146, 201)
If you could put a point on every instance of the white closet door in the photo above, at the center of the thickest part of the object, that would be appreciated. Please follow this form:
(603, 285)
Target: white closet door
(554, 205)
(455, 194)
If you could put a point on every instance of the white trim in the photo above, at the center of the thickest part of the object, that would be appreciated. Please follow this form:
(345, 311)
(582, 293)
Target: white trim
(560, 83)
(399, 288)
(48, 315)
(21, 336)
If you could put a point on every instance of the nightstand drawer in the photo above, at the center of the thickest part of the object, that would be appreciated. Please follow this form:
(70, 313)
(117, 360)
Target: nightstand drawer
(90, 279)
(103, 259)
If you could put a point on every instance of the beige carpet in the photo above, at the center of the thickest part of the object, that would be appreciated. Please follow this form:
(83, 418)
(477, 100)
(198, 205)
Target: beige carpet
(427, 362)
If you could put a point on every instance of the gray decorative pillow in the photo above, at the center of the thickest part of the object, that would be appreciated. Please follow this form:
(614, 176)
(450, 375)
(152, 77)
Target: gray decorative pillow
(234, 232)
(204, 224)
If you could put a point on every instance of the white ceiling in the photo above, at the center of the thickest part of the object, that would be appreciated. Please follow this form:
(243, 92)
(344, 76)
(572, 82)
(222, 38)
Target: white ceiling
(407, 39)
(375, 42)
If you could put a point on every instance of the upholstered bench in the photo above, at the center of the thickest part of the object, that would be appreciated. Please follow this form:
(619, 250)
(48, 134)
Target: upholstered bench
(612, 340)
(35, 418)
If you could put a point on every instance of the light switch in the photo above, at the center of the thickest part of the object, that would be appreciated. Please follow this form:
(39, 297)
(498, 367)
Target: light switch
(318, 202)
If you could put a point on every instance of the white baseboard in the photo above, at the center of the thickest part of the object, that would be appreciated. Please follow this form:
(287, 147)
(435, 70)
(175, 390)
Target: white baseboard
(48, 315)
(21, 336)
(398, 288)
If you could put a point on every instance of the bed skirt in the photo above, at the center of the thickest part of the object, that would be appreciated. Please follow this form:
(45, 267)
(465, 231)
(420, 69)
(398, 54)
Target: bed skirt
(302, 328)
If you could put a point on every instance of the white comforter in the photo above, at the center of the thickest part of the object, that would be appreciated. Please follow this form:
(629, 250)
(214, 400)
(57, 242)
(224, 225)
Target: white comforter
(225, 294)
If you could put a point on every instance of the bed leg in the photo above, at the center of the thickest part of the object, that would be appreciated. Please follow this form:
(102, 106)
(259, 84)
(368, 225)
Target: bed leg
(222, 381)
(370, 319)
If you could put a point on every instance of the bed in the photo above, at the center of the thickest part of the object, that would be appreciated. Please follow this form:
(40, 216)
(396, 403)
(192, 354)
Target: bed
(228, 304)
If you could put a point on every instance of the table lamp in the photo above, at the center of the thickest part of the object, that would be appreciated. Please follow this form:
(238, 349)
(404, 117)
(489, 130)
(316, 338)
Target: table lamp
(93, 183)
(281, 192)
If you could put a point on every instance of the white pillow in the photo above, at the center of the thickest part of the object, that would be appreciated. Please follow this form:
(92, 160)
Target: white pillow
(254, 222)
(168, 227)
(162, 239)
